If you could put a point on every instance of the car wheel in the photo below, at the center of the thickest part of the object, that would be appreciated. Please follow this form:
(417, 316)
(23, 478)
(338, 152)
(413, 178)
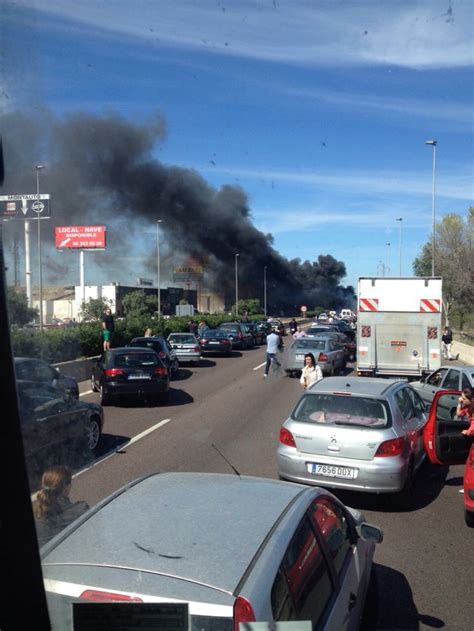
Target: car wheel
(104, 399)
(94, 388)
(92, 433)
(469, 518)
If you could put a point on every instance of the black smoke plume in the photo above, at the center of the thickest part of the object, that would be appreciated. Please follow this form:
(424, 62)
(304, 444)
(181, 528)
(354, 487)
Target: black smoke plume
(102, 169)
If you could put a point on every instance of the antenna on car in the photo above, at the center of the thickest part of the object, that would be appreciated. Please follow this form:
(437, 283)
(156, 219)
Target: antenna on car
(229, 463)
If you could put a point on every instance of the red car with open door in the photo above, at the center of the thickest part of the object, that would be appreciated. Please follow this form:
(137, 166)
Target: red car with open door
(444, 443)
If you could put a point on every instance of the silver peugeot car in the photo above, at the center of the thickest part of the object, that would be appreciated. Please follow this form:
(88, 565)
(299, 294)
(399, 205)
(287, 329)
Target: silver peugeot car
(354, 433)
(209, 551)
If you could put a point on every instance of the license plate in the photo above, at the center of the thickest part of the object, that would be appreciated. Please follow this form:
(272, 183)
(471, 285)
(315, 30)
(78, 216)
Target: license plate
(332, 471)
(299, 357)
(213, 343)
(144, 376)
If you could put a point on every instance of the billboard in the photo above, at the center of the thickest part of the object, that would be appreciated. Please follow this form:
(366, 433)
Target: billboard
(80, 237)
(186, 274)
(25, 206)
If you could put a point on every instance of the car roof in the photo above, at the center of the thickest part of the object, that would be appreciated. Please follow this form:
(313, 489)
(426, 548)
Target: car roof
(356, 385)
(203, 528)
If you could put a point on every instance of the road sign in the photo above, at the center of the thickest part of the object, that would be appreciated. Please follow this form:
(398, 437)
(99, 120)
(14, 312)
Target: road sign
(80, 237)
(25, 206)
(304, 309)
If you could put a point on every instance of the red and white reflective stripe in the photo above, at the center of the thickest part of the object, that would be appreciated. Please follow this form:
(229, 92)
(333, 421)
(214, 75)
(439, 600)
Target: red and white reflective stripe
(368, 304)
(432, 305)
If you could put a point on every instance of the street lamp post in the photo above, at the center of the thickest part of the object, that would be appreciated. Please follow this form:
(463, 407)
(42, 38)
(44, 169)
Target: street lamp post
(400, 219)
(389, 259)
(433, 144)
(40, 271)
(265, 290)
(158, 265)
(236, 285)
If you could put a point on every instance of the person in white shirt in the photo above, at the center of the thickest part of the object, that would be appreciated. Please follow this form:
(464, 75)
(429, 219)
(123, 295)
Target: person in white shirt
(299, 333)
(274, 344)
(311, 372)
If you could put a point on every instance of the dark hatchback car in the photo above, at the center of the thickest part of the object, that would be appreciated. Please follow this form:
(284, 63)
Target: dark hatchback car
(258, 334)
(161, 346)
(39, 372)
(216, 341)
(130, 372)
(239, 336)
(55, 424)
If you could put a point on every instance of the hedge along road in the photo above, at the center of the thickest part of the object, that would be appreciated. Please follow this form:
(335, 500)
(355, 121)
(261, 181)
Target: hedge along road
(424, 564)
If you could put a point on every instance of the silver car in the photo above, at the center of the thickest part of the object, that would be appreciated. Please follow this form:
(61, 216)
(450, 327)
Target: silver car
(445, 378)
(328, 353)
(186, 346)
(211, 551)
(354, 433)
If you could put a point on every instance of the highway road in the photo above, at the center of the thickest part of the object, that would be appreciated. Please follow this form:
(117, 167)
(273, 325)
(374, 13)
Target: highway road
(425, 562)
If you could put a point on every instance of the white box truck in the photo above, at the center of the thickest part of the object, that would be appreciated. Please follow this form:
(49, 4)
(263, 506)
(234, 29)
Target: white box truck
(399, 326)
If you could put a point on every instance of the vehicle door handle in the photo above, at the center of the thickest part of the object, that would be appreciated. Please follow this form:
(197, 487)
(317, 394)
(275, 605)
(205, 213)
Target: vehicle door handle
(352, 601)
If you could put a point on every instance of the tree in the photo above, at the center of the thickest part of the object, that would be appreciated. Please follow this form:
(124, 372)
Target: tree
(250, 305)
(138, 304)
(454, 261)
(18, 311)
(93, 309)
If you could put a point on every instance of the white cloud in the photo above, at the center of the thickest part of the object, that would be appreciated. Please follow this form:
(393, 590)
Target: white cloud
(406, 33)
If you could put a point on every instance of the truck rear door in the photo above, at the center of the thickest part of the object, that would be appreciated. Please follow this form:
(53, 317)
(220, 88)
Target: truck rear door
(399, 346)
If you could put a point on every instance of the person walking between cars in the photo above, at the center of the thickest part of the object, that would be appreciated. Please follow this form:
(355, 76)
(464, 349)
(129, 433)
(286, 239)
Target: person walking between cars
(274, 345)
(311, 371)
(53, 510)
(299, 333)
(108, 328)
(446, 344)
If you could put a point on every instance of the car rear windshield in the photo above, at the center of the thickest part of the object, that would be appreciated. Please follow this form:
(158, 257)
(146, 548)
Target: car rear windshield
(182, 339)
(154, 344)
(320, 329)
(216, 333)
(127, 360)
(310, 344)
(341, 409)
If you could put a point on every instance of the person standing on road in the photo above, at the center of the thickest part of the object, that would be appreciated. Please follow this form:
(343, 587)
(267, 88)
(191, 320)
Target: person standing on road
(274, 345)
(446, 344)
(202, 328)
(53, 509)
(108, 328)
(311, 371)
(148, 332)
(465, 409)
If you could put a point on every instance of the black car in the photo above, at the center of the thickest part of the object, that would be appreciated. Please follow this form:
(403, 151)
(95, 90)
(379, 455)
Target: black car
(56, 424)
(39, 372)
(259, 336)
(130, 372)
(238, 334)
(161, 346)
(345, 328)
(216, 341)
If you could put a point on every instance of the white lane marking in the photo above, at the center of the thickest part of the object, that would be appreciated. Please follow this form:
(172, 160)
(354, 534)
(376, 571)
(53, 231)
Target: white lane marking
(81, 394)
(259, 366)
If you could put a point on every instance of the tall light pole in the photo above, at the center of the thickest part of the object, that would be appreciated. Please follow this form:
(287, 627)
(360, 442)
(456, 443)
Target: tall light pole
(236, 285)
(265, 290)
(158, 265)
(400, 219)
(40, 271)
(433, 144)
(389, 258)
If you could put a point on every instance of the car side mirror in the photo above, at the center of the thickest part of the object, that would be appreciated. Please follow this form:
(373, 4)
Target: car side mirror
(370, 533)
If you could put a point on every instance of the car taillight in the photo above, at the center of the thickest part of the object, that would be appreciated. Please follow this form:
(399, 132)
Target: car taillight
(161, 371)
(393, 447)
(196, 349)
(113, 372)
(286, 438)
(322, 357)
(102, 597)
(162, 355)
(243, 612)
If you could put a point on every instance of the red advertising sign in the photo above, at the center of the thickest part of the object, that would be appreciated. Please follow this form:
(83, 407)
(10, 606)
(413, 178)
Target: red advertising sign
(80, 237)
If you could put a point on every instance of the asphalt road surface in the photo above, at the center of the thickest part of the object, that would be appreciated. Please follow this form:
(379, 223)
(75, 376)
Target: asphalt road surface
(424, 565)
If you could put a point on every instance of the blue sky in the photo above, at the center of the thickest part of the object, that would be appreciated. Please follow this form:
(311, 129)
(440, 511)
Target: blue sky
(320, 109)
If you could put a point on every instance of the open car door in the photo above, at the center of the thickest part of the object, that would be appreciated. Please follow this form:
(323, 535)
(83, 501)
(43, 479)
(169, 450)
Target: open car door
(444, 443)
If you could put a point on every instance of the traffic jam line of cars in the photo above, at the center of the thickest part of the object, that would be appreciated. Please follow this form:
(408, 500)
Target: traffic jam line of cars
(293, 538)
